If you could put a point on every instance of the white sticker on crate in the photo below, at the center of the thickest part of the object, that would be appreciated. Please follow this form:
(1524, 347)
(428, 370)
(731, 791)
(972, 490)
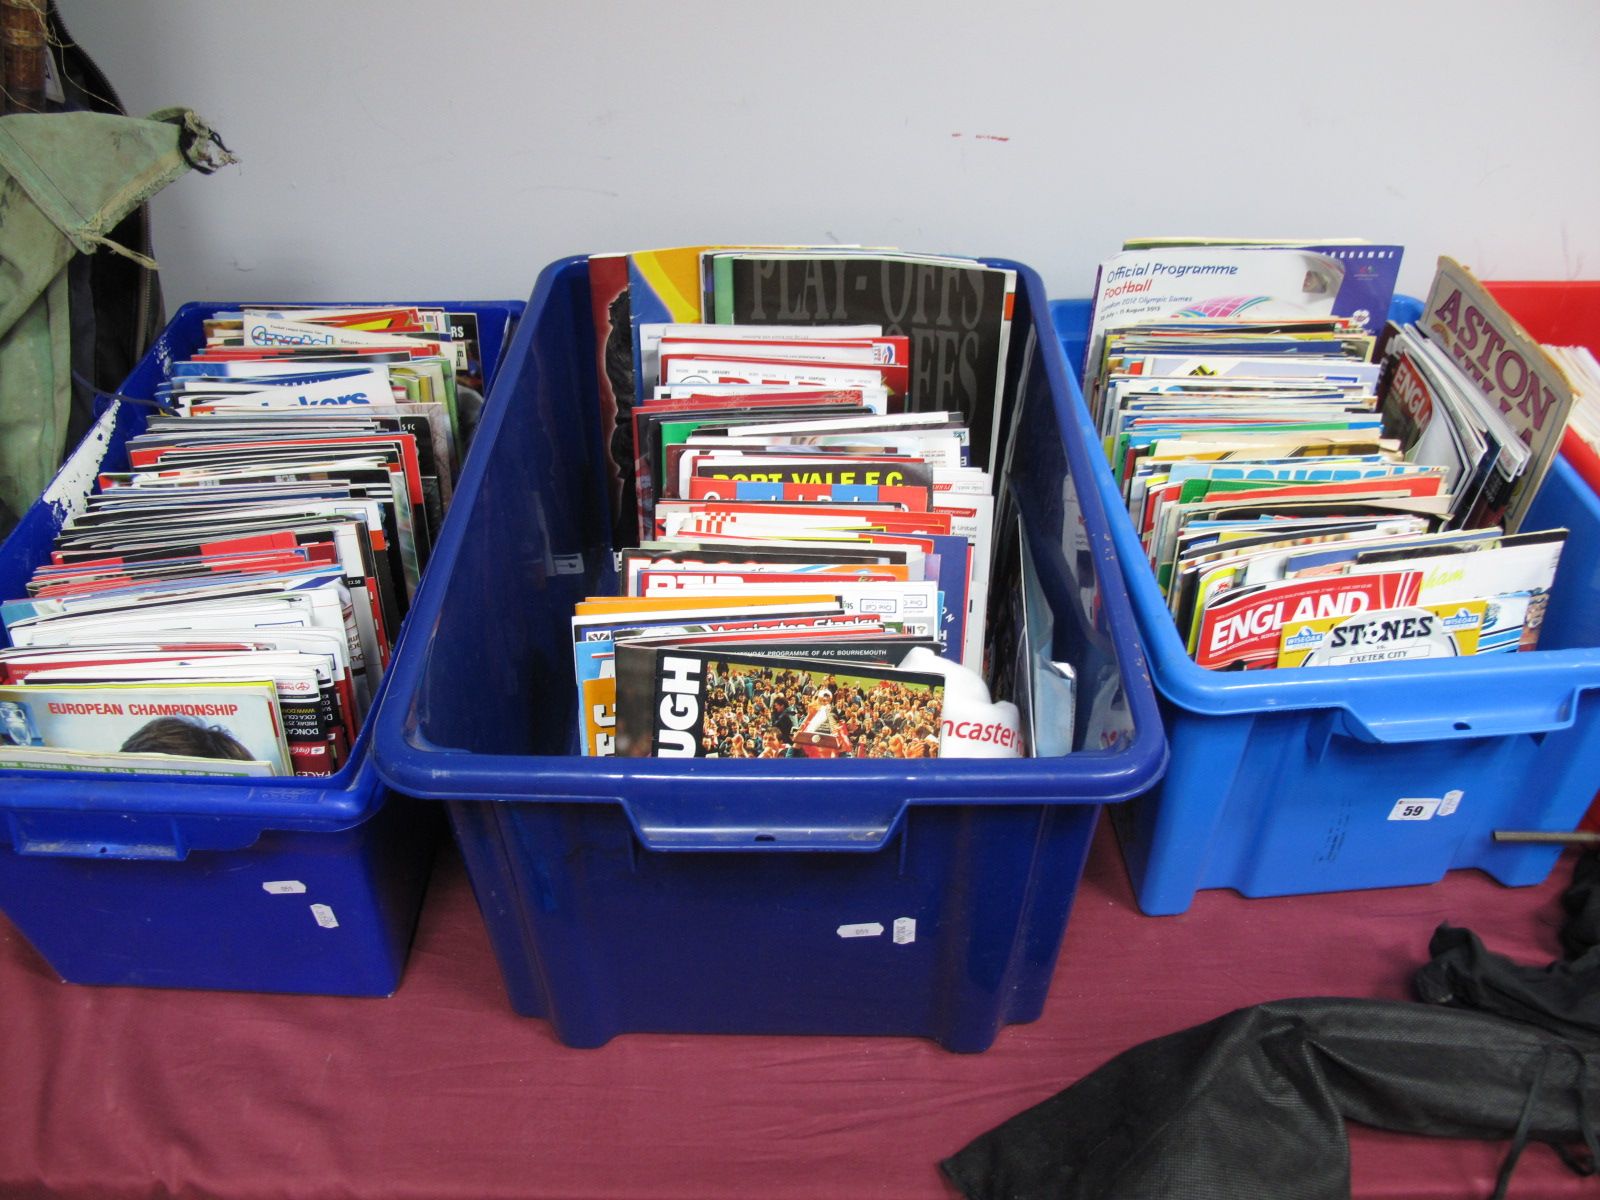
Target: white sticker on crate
(1450, 801)
(324, 916)
(283, 887)
(864, 929)
(905, 930)
(1414, 809)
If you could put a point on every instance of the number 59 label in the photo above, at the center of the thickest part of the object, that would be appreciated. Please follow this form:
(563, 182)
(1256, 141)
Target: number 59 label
(1414, 810)
(1425, 808)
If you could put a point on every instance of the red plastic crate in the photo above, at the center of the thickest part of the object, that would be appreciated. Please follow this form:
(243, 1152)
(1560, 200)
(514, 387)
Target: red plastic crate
(1561, 313)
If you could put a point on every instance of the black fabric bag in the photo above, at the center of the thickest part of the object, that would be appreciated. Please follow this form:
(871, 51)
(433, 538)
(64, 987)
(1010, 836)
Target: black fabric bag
(1253, 1104)
(1563, 997)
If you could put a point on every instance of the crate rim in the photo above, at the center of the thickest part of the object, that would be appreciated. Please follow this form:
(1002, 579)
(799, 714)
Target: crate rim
(401, 753)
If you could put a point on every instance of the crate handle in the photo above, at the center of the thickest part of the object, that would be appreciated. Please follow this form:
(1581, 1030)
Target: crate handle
(71, 835)
(723, 838)
(1529, 717)
(761, 828)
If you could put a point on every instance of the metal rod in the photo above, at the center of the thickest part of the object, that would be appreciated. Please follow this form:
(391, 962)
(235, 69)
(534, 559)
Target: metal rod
(1575, 837)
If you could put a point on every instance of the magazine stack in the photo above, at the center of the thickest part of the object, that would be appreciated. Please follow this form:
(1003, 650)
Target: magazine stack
(226, 604)
(1310, 487)
(807, 453)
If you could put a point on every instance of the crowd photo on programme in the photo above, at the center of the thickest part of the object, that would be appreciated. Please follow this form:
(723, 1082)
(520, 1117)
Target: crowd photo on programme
(774, 712)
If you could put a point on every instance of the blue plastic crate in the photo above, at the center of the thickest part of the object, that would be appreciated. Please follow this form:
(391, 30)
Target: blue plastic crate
(1288, 781)
(195, 883)
(709, 895)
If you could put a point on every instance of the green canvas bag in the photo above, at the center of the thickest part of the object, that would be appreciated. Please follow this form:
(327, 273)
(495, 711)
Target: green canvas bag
(66, 180)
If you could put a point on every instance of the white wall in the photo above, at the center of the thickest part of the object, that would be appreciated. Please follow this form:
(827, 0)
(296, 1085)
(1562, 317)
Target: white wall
(451, 148)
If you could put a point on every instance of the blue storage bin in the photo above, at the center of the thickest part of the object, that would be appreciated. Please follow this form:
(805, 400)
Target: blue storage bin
(293, 884)
(1289, 781)
(716, 896)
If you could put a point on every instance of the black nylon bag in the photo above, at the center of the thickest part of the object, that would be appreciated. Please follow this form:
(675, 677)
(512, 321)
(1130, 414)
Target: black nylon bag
(1253, 1104)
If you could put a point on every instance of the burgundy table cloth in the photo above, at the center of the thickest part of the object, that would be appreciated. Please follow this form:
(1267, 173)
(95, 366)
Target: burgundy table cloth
(442, 1091)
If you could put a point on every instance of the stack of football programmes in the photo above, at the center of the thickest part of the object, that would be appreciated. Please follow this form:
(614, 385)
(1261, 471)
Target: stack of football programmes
(1304, 497)
(227, 603)
(802, 442)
